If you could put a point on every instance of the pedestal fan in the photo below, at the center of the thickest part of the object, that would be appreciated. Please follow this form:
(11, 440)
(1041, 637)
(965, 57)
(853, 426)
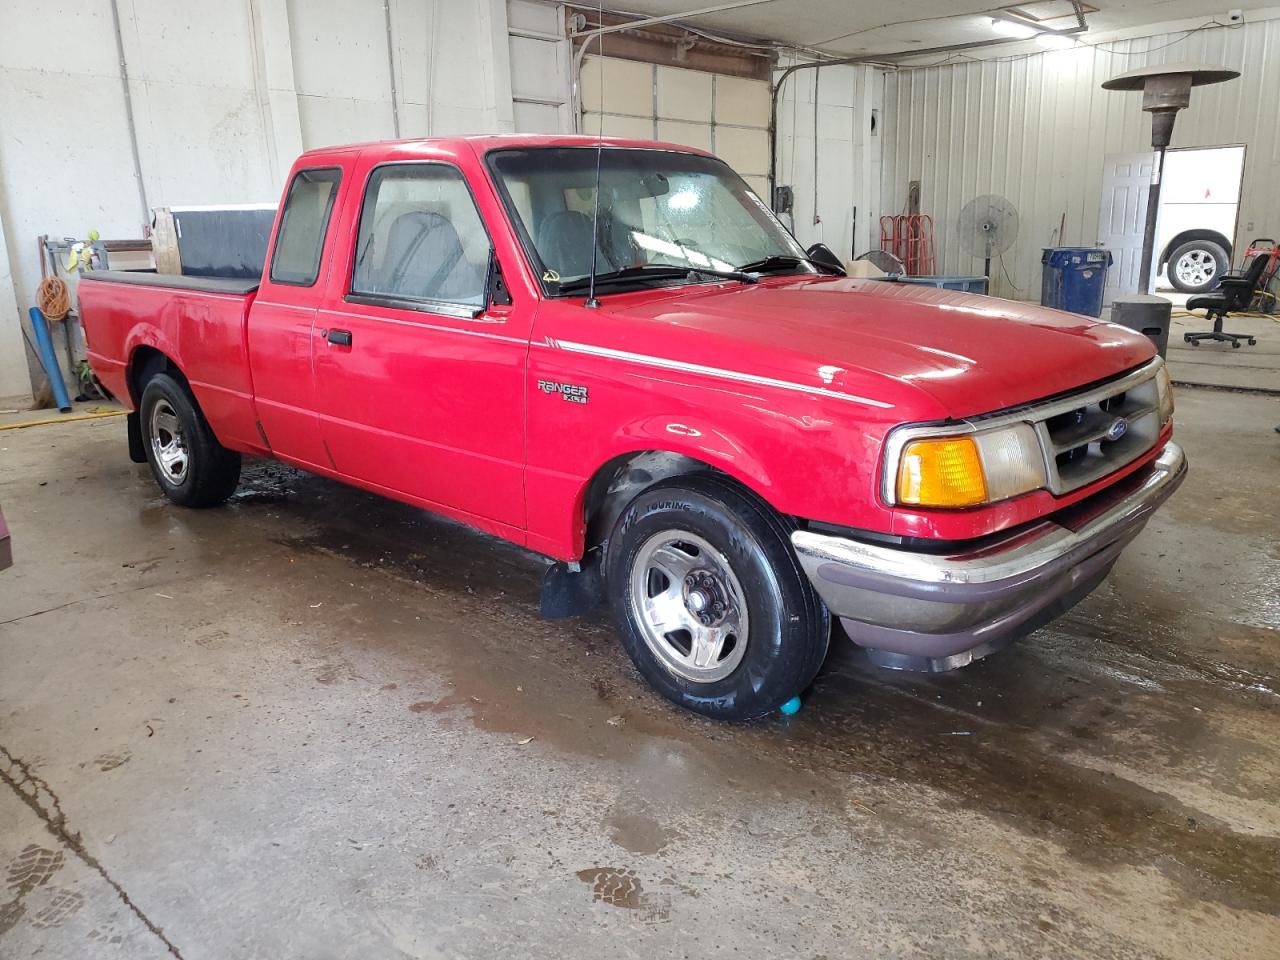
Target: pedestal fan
(988, 226)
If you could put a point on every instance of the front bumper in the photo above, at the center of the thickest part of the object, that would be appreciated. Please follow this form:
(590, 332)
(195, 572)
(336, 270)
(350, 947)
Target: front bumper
(935, 612)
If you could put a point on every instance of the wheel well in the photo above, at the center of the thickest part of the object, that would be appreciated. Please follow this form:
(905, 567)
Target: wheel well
(145, 363)
(1211, 235)
(624, 478)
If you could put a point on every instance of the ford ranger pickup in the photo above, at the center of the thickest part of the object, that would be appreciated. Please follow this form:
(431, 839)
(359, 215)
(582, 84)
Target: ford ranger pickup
(613, 353)
(6, 548)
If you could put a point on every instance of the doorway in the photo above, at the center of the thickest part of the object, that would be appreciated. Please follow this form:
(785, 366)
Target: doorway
(1199, 204)
(1195, 230)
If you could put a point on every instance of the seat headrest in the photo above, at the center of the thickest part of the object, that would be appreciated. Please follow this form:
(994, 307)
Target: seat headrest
(422, 256)
(564, 243)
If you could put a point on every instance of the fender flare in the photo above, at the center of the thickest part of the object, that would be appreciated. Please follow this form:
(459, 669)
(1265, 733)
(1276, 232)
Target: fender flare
(1213, 236)
(661, 446)
(699, 439)
(151, 338)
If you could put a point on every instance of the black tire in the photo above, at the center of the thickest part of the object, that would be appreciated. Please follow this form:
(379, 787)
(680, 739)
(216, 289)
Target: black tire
(212, 471)
(788, 627)
(1204, 250)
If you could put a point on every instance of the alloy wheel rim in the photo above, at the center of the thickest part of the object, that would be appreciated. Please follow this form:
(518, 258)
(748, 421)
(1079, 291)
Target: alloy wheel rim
(168, 443)
(1196, 267)
(689, 606)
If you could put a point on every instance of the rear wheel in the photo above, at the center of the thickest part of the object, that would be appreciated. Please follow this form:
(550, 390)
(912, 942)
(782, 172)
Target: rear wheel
(1196, 266)
(189, 464)
(711, 602)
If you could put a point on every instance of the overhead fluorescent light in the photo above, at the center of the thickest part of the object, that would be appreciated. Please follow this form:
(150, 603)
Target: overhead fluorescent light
(1056, 41)
(1011, 28)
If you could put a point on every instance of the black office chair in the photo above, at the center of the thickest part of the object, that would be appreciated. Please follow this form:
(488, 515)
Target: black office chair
(1234, 293)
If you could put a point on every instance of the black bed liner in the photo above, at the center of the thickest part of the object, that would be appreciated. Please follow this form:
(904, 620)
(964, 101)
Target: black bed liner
(229, 285)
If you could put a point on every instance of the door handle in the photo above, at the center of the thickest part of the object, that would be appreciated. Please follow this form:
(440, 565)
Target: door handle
(340, 338)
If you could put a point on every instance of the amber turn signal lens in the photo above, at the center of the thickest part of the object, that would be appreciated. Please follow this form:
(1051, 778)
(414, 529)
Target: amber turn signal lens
(944, 472)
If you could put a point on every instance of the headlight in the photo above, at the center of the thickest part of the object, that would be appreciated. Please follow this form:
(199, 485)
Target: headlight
(966, 469)
(1164, 393)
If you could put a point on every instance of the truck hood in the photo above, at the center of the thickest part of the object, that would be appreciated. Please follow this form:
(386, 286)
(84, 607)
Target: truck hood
(971, 354)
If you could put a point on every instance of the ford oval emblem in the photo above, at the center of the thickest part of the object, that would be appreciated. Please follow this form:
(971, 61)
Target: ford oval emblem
(1117, 429)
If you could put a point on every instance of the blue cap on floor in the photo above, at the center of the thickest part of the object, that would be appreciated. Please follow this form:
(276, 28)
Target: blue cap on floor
(791, 707)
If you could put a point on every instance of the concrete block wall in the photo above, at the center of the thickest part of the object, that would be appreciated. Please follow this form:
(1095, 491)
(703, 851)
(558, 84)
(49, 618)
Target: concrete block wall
(221, 97)
(109, 108)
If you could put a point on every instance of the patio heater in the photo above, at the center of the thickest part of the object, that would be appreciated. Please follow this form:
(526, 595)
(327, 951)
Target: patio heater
(1166, 89)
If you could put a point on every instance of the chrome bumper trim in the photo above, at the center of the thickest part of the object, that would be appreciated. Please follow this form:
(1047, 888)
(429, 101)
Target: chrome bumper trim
(938, 606)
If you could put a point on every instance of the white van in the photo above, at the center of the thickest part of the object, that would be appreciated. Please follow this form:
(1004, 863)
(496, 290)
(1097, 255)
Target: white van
(1198, 204)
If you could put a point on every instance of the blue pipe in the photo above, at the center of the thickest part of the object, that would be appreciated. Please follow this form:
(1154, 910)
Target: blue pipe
(49, 360)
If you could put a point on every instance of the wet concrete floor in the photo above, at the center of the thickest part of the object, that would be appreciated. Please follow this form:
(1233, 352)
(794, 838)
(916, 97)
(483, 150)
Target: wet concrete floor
(319, 724)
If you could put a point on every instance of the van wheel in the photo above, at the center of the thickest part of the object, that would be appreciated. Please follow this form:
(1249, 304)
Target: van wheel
(1197, 266)
(189, 464)
(711, 602)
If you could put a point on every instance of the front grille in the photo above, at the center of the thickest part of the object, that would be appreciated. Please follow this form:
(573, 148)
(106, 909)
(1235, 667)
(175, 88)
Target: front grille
(1109, 429)
(1082, 436)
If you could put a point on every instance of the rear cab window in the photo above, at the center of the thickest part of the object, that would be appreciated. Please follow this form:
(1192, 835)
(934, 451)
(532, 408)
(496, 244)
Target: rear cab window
(421, 242)
(303, 224)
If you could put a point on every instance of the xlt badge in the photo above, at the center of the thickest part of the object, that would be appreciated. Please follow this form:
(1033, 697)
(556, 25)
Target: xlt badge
(571, 392)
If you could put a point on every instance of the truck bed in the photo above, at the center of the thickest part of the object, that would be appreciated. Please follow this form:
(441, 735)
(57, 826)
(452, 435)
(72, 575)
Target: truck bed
(231, 285)
(199, 323)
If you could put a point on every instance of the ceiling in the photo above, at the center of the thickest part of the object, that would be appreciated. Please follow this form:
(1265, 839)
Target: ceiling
(847, 27)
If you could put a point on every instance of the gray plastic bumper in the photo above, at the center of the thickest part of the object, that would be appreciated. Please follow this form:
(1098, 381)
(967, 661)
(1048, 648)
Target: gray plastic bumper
(921, 611)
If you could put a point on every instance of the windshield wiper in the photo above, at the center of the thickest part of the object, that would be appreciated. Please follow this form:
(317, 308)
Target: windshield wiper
(653, 271)
(780, 261)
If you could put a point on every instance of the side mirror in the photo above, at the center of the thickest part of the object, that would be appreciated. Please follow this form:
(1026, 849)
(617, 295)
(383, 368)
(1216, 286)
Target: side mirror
(496, 294)
(824, 256)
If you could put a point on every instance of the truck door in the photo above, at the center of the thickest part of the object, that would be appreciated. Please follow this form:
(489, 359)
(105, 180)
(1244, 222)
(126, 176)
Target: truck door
(419, 376)
(281, 318)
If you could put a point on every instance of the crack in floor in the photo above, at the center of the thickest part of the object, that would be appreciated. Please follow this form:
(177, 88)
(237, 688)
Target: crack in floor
(54, 818)
(102, 596)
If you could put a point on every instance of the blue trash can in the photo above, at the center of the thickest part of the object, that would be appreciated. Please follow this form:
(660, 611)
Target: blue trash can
(1073, 279)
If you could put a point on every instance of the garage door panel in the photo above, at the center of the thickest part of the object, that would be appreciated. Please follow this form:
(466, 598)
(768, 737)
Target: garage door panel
(636, 128)
(684, 94)
(708, 111)
(747, 151)
(760, 185)
(628, 86)
(686, 134)
(742, 102)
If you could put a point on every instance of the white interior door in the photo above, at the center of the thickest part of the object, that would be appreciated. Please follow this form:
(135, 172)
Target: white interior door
(1122, 216)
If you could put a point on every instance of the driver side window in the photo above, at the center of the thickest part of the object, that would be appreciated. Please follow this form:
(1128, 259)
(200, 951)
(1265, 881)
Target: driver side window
(421, 237)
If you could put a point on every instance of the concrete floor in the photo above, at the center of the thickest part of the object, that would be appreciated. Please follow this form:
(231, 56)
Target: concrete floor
(300, 726)
(1216, 364)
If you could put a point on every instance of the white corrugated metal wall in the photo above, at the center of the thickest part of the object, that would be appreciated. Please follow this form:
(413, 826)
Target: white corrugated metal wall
(1037, 128)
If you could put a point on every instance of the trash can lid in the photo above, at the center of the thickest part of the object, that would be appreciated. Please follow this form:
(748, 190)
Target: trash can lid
(1064, 256)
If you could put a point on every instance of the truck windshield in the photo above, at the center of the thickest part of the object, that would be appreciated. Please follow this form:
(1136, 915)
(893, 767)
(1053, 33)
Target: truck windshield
(657, 208)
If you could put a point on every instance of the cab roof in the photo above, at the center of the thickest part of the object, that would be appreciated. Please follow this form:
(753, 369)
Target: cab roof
(482, 144)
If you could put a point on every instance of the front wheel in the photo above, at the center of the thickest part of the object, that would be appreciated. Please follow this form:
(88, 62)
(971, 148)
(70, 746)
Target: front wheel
(189, 464)
(1196, 266)
(712, 604)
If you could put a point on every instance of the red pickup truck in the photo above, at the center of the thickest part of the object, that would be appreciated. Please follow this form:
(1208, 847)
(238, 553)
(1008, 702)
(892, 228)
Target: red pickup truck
(6, 549)
(664, 392)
